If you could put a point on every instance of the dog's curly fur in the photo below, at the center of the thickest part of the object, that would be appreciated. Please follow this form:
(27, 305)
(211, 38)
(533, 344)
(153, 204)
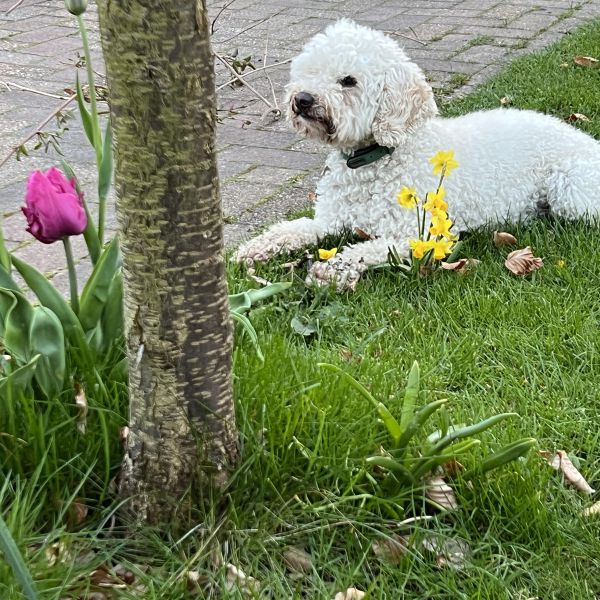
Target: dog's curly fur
(364, 89)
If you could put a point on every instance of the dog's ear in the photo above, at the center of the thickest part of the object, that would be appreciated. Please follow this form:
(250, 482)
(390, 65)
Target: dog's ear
(406, 101)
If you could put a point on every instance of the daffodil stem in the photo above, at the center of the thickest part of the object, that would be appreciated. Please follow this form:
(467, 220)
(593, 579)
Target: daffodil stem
(72, 275)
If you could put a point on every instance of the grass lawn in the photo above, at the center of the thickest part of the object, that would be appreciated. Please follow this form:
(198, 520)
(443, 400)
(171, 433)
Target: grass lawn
(488, 341)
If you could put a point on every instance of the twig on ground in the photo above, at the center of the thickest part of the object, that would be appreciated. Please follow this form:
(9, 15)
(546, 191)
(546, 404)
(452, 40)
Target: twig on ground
(39, 128)
(408, 37)
(268, 78)
(237, 76)
(244, 75)
(10, 85)
(14, 6)
(212, 25)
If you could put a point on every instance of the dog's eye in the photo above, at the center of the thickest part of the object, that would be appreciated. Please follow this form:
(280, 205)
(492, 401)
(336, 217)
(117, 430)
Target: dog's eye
(347, 81)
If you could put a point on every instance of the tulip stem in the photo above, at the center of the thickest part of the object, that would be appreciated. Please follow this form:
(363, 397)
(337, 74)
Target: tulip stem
(72, 275)
(92, 88)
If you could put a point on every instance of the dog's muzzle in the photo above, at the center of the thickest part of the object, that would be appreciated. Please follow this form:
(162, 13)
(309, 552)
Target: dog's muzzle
(302, 103)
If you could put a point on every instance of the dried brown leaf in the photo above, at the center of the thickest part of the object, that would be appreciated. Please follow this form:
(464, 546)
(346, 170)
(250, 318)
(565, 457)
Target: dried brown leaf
(452, 468)
(563, 464)
(312, 196)
(350, 594)
(502, 238)
(79, 511)
(82, 408)
(460, 266)
(297, 559)
(575, 117)
(236, 578)
(57, 553)
(450, 552)
(438, 491)
(194, 580)
(522, 262)
(591, 511)
(506, 101)
(391, 549)
(363, 235)
(586, 61)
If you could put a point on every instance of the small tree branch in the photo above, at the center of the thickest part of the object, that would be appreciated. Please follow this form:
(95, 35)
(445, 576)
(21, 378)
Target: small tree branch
(39, 128)
(237, 76)
(244, 75)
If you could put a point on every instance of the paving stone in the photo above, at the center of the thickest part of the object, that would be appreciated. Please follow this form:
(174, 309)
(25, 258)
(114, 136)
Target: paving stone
(484, 54)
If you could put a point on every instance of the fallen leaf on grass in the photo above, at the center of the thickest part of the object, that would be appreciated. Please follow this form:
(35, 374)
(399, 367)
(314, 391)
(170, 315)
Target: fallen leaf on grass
(575, 117)
(506, 101)
(450, 552)
(82, 408)
(195, 580)
(438, 491)
(78, 511)
(363, 235)
(502, 238)
(586, 61)
(522, 262)
(350, 594)
(562, 463)
(297, 559)
(460, 266)
(236, 578)
(591, 511)
(391, 549)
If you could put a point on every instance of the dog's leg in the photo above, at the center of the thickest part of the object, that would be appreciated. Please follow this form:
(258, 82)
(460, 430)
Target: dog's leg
(347, 267)
(281, 237)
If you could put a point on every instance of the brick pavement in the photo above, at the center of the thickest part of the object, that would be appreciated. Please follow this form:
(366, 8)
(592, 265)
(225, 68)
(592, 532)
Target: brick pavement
(266, 171)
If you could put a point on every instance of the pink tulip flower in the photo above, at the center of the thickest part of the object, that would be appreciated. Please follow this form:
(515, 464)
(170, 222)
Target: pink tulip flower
(53, 207)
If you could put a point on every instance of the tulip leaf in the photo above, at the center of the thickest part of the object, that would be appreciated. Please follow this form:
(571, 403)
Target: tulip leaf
(16, 324)
(20, 378)
(86, 117)
(239, 303)
(112, 315)
(6, 281)
(46, 338)
(249, 329)
(90, 234)
(96, 291)
(411, 395)
(51, 298)
(106, 167)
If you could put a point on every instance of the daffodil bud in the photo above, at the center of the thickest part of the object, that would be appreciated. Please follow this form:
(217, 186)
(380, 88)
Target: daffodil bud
(76, 7)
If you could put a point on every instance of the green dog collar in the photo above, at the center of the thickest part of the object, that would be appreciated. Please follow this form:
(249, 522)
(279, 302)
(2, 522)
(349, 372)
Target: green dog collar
(366, 156)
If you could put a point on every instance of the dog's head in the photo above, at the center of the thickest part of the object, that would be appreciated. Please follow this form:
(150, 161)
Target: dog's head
(351, 85)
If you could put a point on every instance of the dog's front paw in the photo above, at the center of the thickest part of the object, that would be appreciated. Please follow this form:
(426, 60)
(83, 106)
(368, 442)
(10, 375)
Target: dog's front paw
(258, 249)
(344, 274)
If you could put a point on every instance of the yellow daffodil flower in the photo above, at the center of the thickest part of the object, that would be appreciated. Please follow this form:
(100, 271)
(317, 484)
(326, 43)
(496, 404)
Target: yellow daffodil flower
(443, 160)
(407, 197)
(327, 254)
(420, 247)
(435, 200)
(441, 248)
(440, 226)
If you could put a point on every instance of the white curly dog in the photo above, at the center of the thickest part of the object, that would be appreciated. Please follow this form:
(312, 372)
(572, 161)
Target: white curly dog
(355, 89)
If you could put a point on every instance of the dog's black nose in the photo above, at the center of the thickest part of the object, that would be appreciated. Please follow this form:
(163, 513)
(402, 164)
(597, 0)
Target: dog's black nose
(303, 101)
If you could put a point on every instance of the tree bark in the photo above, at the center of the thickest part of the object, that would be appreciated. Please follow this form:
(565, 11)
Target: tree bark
(178, 329)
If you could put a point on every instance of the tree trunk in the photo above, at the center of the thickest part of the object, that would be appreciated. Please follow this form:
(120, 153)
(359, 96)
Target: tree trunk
(179, 340)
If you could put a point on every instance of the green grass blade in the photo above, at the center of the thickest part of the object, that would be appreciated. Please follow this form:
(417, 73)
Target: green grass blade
(249, 329)
(386, 416)
(15, 560)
